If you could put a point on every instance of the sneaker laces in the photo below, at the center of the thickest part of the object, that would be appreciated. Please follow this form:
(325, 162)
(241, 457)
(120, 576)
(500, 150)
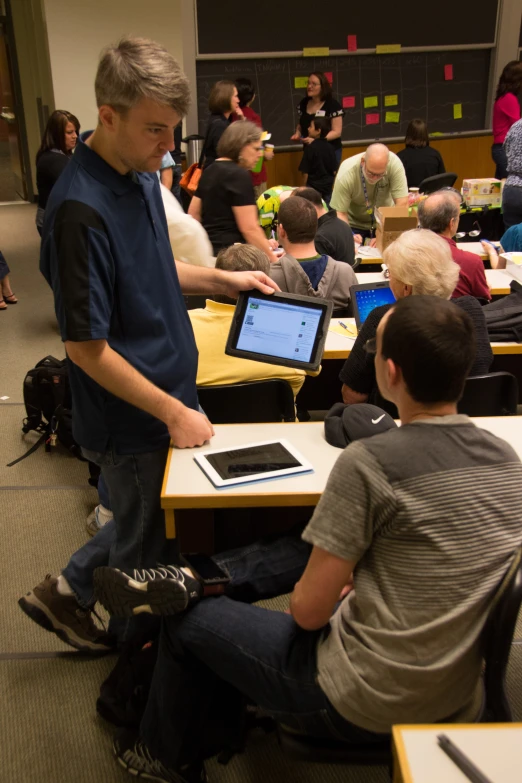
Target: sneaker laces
(84, 616)
(140, 759)
(161, 572)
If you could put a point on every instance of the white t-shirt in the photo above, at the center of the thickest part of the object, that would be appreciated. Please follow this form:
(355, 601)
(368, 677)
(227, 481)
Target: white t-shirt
(188, 238)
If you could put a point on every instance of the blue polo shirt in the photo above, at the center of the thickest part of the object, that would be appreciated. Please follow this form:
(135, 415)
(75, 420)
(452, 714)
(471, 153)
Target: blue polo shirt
(107, 257)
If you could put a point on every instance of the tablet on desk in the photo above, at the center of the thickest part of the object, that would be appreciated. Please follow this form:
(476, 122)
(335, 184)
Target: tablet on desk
(252, 462)
(367, 296)
(278, 328)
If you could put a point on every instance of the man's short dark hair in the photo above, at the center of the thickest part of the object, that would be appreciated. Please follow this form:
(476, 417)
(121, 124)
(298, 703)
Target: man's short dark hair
(309, 194)
(323, 125)
(432, 340)
(436, 211)
(245, 91)
(299, 219)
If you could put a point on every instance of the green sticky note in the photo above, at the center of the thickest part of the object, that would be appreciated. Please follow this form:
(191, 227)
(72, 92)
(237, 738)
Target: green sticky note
(388, 49)
(392, 116)
(457, 111)
(300, 81)
(316, 51)
(391, 100)
(436, 133)
(371, 101)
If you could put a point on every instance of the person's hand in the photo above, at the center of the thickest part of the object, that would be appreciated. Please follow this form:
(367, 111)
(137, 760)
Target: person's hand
(189, 428)
(245, 281)
(373, 242)
(357, 238)
(295, 137)
(346, 589)
(274, 244)
(494, 259)
(307, 140)
(239, 113)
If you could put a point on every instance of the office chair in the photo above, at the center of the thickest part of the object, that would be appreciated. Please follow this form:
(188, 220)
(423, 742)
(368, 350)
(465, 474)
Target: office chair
(243, 403)
(438, 181)
(495, 394)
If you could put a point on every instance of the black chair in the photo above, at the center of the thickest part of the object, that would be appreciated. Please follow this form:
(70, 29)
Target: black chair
(497, 637)
(245, 403)
(495, 394)
(438, 181)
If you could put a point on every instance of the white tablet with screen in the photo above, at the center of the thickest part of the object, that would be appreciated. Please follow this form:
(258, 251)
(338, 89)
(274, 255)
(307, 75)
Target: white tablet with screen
(266, 459)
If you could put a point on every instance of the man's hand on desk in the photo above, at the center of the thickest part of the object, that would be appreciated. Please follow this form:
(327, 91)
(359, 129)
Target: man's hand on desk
(234, 282)
(189, 428)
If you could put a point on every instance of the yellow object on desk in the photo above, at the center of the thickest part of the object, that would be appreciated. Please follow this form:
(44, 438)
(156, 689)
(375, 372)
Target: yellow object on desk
(348, 330)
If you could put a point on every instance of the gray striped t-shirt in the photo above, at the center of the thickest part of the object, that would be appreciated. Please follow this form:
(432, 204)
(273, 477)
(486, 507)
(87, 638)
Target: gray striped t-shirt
(432, 514)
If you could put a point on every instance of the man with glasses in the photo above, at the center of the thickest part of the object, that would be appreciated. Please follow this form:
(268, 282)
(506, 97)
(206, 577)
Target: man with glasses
(375, 178)
(440, 213)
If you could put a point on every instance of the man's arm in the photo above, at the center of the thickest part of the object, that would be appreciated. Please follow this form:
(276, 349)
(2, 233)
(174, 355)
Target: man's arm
(315, 595)
(401, 202)
(199, 280)
(194, 209)
(167, 177)
(343, 216)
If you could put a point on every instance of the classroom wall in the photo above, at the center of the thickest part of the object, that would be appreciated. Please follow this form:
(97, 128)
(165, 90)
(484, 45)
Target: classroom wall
(467, 157)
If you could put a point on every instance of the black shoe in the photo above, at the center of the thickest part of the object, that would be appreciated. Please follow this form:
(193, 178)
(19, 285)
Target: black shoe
(134, 756)
(162, 590)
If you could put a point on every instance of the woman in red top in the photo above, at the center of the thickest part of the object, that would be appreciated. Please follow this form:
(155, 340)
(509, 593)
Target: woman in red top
(506, 111)
(246, 95)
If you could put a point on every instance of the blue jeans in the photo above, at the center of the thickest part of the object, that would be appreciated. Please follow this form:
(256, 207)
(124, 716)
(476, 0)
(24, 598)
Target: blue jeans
(338, 155)
(176, 176)
(512, 205)
(262, 654)
(498, 153)
(135, 537)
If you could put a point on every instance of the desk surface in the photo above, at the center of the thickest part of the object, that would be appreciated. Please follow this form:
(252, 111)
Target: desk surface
(471, 247)
(495, 748)
(499, 280)
(186, 486)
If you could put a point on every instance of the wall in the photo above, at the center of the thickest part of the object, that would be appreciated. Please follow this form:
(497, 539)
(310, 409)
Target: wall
(467, 157)
(79, 30)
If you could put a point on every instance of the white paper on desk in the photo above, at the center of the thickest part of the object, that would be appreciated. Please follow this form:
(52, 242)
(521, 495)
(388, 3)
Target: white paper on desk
(369, 252)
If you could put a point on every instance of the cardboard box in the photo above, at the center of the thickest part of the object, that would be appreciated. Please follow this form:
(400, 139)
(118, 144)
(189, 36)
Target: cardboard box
(391, 223)
(514, 264)
(482, 192)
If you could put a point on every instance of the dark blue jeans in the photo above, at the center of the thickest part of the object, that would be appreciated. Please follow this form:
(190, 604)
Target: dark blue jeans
(512, 205)
(262, 654)
(498, 153)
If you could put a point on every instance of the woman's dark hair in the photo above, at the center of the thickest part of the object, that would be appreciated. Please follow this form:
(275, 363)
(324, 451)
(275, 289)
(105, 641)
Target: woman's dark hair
(326, 87)
(220, 98)
(417, 134)
(510, 80)
(54, 134)
(245, 91)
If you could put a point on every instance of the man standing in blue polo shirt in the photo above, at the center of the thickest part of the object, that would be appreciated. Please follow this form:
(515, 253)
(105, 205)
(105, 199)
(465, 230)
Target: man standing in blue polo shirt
(118, 299)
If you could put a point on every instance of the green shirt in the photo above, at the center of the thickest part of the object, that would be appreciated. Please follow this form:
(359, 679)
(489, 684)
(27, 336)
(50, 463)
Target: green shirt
(348, 192)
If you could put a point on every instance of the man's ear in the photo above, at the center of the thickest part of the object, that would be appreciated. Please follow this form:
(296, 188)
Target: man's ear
(408, 289)
(108, 117)
(281, 233)
(394, 373)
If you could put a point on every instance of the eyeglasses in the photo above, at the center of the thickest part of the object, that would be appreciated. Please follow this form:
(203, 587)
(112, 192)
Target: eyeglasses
(475, 232)
(370, 346)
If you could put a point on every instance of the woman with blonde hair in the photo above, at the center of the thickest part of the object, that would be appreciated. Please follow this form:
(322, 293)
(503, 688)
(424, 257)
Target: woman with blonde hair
(420, 264)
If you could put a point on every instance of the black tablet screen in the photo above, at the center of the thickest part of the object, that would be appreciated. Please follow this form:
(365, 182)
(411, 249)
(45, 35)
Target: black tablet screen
(237, 463)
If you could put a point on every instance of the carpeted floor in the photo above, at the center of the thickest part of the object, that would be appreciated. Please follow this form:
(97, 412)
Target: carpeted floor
(48, 724)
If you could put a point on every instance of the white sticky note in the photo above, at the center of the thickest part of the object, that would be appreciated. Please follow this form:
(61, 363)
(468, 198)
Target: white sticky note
(4, 398)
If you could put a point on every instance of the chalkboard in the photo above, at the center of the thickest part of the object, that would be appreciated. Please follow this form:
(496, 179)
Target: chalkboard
(229, 26)
(418, 80)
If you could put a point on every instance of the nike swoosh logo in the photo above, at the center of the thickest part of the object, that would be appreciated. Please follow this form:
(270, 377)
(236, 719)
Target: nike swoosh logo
(376, 421)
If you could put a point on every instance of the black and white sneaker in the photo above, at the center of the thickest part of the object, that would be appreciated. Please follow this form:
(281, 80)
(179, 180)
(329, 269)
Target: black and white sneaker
(135, 757)
(163, 590)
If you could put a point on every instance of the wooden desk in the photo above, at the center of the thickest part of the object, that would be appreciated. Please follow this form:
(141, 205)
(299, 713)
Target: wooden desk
(495, 748)
(471, 247)
(185, 486)
(499, 280)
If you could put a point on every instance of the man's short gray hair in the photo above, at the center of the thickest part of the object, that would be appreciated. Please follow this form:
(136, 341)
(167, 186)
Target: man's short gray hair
(436, 211)
(243, 258)
(139, 68)
(423, 260)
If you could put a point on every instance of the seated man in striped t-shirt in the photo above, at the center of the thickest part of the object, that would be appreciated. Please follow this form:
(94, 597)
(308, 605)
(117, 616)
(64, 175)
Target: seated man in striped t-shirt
(394, 576)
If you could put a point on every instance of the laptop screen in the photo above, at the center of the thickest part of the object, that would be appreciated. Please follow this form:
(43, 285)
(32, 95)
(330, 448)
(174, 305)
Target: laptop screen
(370, 298)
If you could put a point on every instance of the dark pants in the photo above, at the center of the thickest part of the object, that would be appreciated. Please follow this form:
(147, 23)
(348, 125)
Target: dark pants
(261, 653)
(4, 269)
(176, 177)
(512, 205)
(365, 233)
(498, 153)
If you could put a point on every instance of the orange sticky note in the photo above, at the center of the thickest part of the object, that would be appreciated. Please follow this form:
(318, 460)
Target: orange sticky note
(372, 119)
(448, 73)
(349, 102)
(352, 43)
(329, 76)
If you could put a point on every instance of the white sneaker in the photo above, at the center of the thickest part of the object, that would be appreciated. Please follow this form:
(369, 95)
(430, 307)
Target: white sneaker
(97, 519)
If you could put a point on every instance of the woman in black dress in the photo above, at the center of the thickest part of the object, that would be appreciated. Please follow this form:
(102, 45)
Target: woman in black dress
(58, 143)
(319, 102)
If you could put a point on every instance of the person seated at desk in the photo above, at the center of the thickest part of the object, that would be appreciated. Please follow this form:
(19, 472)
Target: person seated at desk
(302, 270)
(392, 580)
(418, 158)
(419, 263)
(319, 163)
(440, 212)
(334, 237)
(211, 326)
(511, 241)
(375, 178)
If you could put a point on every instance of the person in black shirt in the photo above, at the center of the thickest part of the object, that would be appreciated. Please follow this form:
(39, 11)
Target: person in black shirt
(58, 143)
(418, 158)
(334, 236)
(319, 163)
(318, 102)
(222, 102)
(177, 158)
(224, 202)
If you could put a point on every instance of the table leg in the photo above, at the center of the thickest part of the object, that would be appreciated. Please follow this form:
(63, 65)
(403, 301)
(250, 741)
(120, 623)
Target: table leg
(170, 523)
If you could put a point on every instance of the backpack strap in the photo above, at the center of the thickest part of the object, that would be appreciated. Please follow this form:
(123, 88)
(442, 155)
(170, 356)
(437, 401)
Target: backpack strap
(33, 448)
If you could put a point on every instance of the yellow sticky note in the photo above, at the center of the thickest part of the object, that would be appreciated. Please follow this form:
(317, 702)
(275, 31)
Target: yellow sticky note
(388, 49)
(300, 81)
(371, 101)
(316, 51)
(391, 100)
(392, 116)
(457, 111)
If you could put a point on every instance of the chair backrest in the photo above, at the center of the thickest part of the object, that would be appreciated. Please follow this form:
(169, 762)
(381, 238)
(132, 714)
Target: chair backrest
(243, 403)
(495, 394)
(497, 638)
(431, 184)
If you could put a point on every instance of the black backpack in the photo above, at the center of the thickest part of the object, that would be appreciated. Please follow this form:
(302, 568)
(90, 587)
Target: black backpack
(504, 317)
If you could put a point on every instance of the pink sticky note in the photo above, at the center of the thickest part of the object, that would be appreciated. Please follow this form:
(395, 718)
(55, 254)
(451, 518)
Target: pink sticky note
(329, 76)
(372, 119)
(349, 102)
(352, 43)
(448, 73)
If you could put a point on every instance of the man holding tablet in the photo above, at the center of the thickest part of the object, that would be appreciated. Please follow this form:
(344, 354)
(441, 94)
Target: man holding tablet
(386, 612)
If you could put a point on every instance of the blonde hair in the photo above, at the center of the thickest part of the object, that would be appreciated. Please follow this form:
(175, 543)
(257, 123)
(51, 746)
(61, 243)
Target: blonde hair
(139, 68)
(243, 258)
(423, 260)
(237, 136)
